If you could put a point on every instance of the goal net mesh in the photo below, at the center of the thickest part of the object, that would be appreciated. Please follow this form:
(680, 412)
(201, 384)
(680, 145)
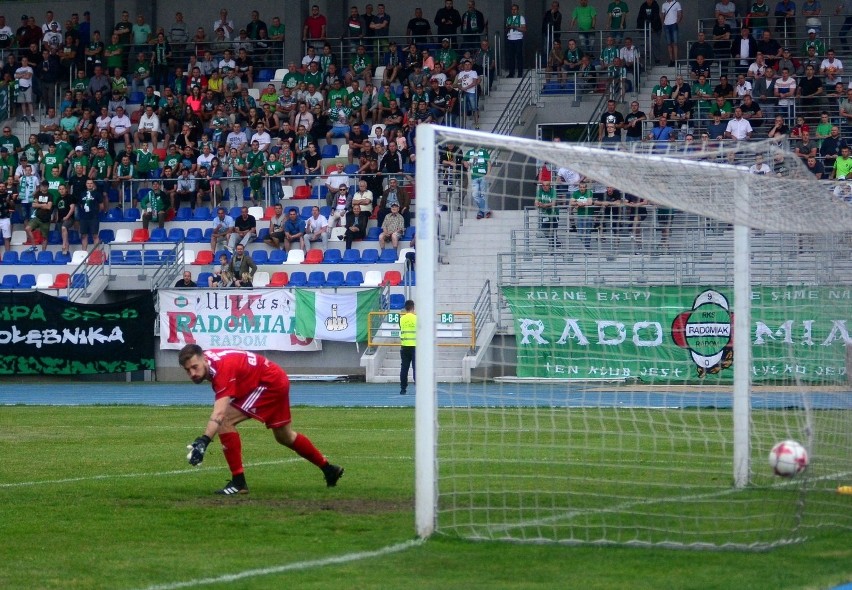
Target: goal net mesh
(600, 408)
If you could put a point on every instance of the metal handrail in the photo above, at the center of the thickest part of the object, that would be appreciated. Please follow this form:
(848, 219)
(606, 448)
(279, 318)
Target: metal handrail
(483, 312)
(90, 271)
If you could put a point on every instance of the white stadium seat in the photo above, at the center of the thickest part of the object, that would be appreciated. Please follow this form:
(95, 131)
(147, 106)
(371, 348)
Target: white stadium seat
(295, 256)
(123, 236)
(44, 280)
(261, 279)
(19, 237)
(373, 278)
(79, 256)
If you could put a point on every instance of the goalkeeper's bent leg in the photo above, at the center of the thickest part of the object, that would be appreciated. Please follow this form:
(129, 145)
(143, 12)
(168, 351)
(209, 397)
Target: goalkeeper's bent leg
(232, 447)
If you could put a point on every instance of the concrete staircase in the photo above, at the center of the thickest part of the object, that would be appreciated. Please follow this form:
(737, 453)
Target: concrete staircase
(470, 261)
(492, 105)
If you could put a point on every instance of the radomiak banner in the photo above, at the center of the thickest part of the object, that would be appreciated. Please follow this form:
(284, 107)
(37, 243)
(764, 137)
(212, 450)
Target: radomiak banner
(44, 335)
(679, 335)
(256, 319)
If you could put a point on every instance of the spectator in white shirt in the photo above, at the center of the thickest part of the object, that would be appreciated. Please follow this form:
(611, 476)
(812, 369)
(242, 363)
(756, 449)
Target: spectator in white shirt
(759, 166)
(316, 229)
(226, 24)
(738, 127)
(831, 68)
(120, 126)
(262, 137)
(149, 127)
(743, 86)
(335, 179)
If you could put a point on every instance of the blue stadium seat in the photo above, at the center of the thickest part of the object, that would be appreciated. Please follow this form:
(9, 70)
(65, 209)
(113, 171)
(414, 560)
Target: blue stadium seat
(397, 301)
(354, 278)
(409, 233)
(319, 192)
(9, 282)
(135, 98)
(183, 214)
(54, 237)
(306, 211)
(277, 257)
(158, 235)
(107, 236)
(387, 256)
(140, 193)
(332, 256)
(116, 257)
(262, 234)
(203, 279)
(133, 257)
(260, 256)
(351, 168)
(316, 279)
(150, 257)
(369, 256)
(112, 195)
(552, 88)
(176, 235)
(351, 256)
(60, 258)
(79, 281)
(27, 258)
(115, 214)
(10, 257)
(208, 235)
(335, 279)
(45, 257)
(234, 212)
(298, 170)
(373, 234)
(74, 237)
(265, 75)
(297, 279)
(201, 214)
(195, 235)
(409, 168)
(131, 214)
(329, 151)
(26, 281)
(325, 211)
(216, 256)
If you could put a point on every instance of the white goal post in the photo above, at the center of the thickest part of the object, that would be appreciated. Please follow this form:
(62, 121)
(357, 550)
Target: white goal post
(597, 420)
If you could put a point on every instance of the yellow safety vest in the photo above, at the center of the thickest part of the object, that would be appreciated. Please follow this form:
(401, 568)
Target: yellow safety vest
(408, 330)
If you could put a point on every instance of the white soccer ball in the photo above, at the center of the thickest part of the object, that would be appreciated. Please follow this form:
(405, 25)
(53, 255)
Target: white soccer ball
(788, 458)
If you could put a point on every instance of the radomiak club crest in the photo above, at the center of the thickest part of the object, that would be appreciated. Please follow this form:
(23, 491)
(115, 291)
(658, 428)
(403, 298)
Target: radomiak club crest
(707, 330)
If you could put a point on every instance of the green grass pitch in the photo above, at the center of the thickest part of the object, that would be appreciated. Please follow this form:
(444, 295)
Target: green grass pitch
(102, 497)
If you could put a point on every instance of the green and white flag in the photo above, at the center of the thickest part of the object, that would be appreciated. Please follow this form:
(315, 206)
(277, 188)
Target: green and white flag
(340, 316)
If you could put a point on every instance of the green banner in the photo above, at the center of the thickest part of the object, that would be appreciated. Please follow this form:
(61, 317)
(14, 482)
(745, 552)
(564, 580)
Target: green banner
(679, 335)
(4, 102)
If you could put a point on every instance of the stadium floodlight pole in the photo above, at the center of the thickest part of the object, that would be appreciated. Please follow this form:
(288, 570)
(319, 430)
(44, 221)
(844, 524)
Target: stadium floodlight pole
(742, 340)
(425, 406)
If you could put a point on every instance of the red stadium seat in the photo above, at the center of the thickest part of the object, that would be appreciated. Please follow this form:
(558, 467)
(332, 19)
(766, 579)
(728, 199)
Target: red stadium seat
(302, 192)
(279, 279)
(140, 235)
(96, 257)
(393, 278)
(313, 257)
(204, 257)
(61, 281)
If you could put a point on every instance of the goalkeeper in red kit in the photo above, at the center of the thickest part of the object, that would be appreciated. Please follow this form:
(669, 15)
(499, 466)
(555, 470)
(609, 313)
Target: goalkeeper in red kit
(246, 385)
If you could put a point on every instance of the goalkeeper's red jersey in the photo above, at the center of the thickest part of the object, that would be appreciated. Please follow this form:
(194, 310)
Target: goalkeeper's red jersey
(259, 387)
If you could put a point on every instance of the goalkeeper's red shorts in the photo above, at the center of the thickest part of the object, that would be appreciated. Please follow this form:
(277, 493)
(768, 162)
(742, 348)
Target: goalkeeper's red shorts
(268, 403)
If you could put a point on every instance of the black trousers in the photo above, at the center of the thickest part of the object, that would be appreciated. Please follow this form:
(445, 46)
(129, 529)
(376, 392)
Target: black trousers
(406, 355)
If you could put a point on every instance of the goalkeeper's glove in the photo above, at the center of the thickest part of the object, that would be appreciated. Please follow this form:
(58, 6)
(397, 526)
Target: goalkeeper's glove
(197, 450)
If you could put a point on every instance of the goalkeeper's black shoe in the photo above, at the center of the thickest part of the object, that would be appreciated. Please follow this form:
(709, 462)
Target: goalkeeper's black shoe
(232, 488)
(332, 474)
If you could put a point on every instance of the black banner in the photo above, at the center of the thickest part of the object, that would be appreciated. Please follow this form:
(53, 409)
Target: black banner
(44, 335)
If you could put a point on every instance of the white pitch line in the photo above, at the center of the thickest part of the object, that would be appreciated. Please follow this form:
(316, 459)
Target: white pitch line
(299, 565)
(190, 471)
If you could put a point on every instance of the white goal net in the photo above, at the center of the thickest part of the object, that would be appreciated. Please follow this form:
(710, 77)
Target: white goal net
(651, 319)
